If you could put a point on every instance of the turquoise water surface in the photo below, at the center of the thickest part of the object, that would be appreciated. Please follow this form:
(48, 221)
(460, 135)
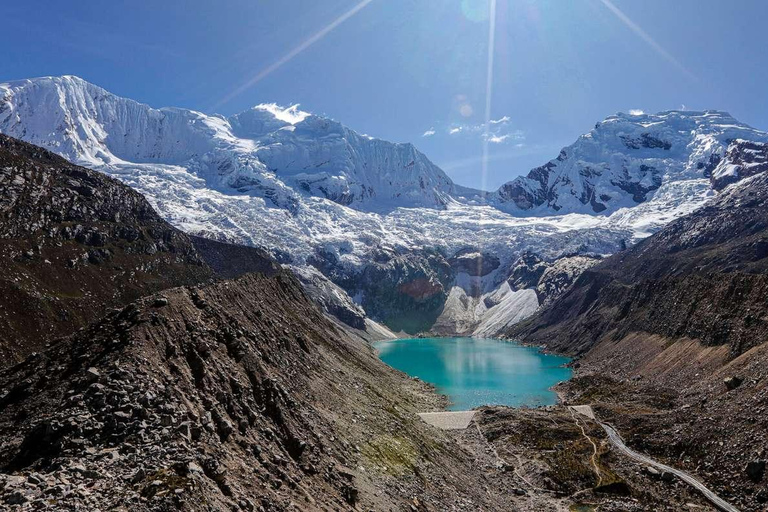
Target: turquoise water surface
(475, 372)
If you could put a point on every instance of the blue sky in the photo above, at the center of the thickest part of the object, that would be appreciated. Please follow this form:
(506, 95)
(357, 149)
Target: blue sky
(400, 69)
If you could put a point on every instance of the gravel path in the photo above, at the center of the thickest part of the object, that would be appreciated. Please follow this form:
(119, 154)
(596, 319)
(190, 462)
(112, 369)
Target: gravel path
(618, 442)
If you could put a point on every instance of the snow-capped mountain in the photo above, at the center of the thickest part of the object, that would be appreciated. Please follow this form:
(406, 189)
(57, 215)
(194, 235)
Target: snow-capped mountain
(377, 218)
(624, 160)
(267, 150)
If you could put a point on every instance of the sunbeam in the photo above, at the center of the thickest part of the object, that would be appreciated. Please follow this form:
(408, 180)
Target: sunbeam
(488, 92)
(293, 53)
(642, 34)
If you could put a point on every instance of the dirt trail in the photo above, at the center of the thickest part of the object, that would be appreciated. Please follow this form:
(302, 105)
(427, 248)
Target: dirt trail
(592, 459)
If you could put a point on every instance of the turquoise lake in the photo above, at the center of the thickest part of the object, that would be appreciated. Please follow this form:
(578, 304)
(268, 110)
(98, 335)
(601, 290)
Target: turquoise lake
(475, 372)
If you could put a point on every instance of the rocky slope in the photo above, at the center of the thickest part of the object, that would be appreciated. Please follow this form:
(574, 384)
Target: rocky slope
(73, 244)
(238, 395)
(743, 158)
(230, 260)
(671, 335)
(702, 277)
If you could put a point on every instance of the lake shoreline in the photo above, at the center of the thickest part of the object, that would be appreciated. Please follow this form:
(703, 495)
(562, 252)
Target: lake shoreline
(476, 372)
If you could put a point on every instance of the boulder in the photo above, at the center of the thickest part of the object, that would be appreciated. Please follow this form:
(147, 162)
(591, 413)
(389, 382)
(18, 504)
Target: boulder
(732, 382)
(755, 470)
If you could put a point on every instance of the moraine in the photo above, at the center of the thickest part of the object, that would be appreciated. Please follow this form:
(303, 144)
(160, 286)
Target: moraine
(474, 372)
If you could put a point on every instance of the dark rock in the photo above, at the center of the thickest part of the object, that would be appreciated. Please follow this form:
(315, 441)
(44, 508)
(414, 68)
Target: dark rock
(17, 498)
(160, 302)
(92, 375)
(473, 262)
(138, 476)
(732, 382)
(755, 470)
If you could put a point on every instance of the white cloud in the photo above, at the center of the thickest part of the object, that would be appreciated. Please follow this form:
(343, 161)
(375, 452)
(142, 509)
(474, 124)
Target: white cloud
(498, 131)
(498, 139)
(291, 115)
(636, 112)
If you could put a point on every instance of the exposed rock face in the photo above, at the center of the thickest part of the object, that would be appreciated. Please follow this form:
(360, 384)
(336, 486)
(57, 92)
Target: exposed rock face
(531, 282)
(742, 159)
(474, 263)
(548, 279)
(330, 297)
(702, 277)
(74, 244)
(405, 291)
(560, 275)
(237, 395)
(526, 272)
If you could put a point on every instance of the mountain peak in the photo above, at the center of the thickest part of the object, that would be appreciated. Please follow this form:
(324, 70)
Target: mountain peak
(624, 160)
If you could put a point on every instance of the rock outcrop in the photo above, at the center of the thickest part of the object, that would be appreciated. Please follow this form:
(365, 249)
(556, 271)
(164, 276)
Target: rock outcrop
(742, 159)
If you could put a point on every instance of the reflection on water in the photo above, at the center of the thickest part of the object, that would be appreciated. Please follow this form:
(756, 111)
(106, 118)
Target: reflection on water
(475, 372)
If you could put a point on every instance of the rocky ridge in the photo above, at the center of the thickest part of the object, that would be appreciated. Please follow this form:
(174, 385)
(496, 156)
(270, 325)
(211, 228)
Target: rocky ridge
(74, 244)
(237, 395)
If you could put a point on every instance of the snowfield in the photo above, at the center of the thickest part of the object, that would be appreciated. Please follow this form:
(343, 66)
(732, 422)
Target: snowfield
(298, 184)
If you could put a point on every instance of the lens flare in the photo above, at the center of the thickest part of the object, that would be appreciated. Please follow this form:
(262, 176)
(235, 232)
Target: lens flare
(317, 36)
(642, 34)
(476, 10)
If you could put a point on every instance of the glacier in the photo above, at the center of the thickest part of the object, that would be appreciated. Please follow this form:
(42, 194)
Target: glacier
(316, 193)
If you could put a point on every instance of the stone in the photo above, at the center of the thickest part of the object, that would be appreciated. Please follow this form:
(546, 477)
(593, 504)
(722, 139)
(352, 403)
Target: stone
(732, 382)
(123, 416)
(138, 476)
(652, 471)
(755, 470)
(92, 374)
(160, 302)
(195, 432)
(184, 429)
(17, 498)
